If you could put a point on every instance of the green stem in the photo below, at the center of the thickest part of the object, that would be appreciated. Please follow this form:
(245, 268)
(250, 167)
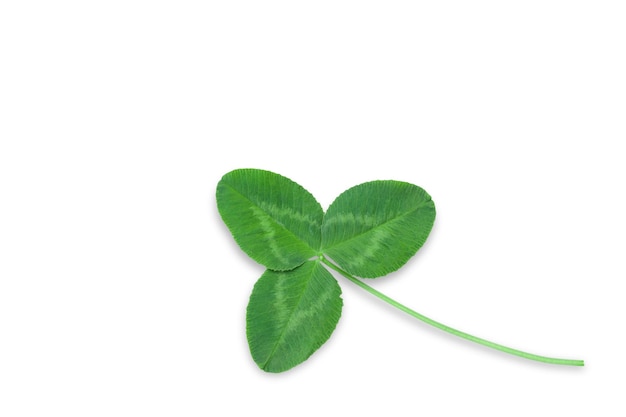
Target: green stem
(556, 361)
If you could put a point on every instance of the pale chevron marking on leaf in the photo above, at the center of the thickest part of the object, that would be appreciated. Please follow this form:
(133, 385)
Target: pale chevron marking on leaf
(272, 208)
(374, 226)
(268, 228)
(303, 315)
(305, 311)
(282, 212)
(257, 205)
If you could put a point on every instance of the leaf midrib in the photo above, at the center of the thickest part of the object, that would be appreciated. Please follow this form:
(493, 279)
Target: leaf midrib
(271, 217)
(291, 314)
(323, 249)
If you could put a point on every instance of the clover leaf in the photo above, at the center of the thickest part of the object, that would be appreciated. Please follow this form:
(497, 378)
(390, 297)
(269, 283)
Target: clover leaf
(291, 314)
(370, 230)
(274, 220)
(374, 228)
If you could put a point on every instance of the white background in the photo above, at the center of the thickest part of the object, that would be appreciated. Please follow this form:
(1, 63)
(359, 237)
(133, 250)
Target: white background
(123, 294)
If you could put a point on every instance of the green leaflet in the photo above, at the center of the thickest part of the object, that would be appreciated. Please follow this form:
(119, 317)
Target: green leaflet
(374, 228)
(273, 219)
(370, 230)
(291, 314)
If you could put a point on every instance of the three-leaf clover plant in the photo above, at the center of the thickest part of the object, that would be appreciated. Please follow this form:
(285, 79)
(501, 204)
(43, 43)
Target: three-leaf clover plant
(370, 230)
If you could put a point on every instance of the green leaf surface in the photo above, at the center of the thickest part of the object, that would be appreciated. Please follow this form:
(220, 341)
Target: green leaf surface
(370, 230)
(291, 314)
(374, 228)
(274, 220)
